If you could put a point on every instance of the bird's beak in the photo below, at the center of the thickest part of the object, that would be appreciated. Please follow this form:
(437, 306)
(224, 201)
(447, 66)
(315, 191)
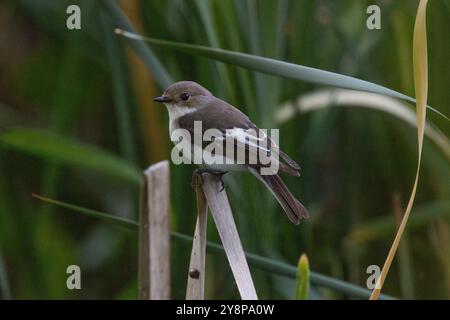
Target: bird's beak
(161, 99)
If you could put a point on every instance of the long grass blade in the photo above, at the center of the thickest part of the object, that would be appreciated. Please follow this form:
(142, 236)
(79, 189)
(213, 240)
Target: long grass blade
(112, 219)
(420, 61)
(147, 55)
(121, 101)
(53, 147)
(276, 67)
(262, 263)
(331, 98)
(204, 8)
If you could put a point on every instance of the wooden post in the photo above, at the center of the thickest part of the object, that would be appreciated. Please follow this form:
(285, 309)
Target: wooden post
(154, 246)
(195, 289)
(223, 217)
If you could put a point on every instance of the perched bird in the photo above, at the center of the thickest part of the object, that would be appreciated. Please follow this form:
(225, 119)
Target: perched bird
(188, 102)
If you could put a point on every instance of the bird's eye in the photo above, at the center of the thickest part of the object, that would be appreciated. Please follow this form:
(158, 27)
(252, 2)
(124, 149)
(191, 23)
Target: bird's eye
(185, 96)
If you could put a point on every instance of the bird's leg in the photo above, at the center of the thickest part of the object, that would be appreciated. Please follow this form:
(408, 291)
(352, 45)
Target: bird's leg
(198, 173)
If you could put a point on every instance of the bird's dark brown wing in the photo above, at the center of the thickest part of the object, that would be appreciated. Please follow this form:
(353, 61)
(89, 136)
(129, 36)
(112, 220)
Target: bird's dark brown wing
(217, 114)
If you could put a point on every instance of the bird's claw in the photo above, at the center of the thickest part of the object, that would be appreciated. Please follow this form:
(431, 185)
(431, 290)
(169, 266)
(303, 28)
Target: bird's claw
(222, 184)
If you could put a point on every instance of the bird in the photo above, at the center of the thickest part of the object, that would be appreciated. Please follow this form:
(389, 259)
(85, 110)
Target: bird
(189, 103)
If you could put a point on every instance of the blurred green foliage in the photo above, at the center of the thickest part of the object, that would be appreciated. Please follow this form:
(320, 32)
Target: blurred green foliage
(82, 86)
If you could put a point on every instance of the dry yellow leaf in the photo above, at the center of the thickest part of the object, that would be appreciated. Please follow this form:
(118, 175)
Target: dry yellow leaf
(420, 64)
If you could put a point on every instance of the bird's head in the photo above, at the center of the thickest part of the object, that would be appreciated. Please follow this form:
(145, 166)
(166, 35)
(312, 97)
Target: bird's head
(183, 94)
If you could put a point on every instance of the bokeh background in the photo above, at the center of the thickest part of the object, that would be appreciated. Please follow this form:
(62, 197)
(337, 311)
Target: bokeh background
(87, 87)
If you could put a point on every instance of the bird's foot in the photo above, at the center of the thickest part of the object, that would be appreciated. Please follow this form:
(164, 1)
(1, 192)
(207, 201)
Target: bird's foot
(197, 179)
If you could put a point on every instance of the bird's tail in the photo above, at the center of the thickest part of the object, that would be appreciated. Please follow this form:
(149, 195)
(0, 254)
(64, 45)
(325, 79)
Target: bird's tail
(293, 208)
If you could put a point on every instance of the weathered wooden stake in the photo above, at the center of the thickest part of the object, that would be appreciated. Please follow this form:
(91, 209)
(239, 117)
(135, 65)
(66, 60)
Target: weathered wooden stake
(195, 289)
(154, 246)
(223, 217)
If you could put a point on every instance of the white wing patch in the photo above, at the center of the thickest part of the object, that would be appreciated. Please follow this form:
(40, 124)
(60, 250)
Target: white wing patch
(254, 147)
(247, 137)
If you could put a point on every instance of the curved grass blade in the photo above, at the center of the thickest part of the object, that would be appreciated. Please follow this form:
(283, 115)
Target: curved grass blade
(420, 61)
(47, 145)
(331, 98)
(277, 67)
(256, 261)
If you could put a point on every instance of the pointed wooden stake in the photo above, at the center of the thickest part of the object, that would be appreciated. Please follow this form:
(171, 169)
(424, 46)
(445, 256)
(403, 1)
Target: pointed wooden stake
(223, 217)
